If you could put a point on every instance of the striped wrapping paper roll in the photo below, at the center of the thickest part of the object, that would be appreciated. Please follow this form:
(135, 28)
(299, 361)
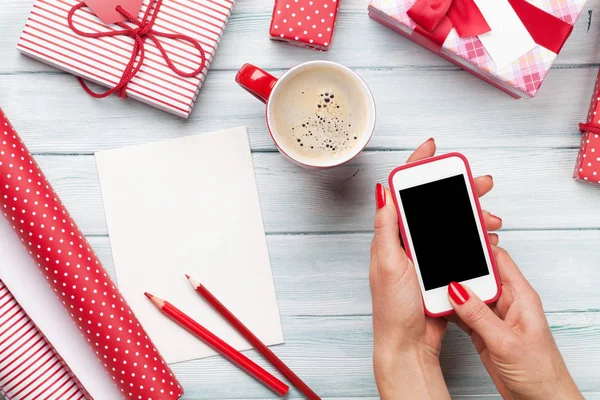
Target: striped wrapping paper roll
(75, 273)
(48, 38)
(29, 367)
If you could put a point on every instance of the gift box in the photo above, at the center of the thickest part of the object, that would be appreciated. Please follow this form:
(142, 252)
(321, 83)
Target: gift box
(508, 43)
(306, 23)
(587, 168)
(159, 56)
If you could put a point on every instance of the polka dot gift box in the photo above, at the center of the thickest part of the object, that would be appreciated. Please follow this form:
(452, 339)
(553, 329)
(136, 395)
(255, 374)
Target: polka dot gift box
(587, 168)
(307, 23)
(71, 268)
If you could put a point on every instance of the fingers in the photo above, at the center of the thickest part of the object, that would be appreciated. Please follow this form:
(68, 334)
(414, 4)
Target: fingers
(386, 217)
(458, 322)
(484, 184)
(425, 150)
(492, 222)
(476, 314)
(387, 245)
(386, 248)
(494, 239)
(388, 259)
(510, 274)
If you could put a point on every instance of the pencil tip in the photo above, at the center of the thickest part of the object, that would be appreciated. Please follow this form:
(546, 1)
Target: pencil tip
(148, 295)
(193, 282)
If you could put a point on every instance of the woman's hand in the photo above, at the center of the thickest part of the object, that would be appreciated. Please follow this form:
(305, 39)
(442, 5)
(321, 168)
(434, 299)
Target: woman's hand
(406, 342)
(513, 338)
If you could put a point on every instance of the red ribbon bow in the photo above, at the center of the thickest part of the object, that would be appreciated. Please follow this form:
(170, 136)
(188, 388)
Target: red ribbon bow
(436, 18)
(141, 30)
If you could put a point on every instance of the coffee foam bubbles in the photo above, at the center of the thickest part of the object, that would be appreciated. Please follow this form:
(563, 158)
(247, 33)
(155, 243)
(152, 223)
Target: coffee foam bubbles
(319, 114)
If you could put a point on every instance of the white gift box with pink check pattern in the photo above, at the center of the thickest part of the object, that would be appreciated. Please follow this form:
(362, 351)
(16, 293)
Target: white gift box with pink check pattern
(524, 74)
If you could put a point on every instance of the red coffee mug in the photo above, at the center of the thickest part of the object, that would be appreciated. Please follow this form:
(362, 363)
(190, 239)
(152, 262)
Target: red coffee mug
(264, 86)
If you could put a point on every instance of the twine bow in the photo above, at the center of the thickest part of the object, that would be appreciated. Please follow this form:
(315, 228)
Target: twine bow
(141, 30)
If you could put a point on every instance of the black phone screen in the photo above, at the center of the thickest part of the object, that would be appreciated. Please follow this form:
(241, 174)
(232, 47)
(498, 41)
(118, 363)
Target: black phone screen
(444, 233)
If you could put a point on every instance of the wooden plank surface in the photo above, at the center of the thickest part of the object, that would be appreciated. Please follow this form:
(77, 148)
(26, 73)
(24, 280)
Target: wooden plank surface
(319, 223)
(534, 190)
(327, 275)
(412, 105)
(334, 355)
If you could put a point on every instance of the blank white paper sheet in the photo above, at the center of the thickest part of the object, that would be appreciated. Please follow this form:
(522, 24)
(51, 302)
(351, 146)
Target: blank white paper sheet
(190, 205)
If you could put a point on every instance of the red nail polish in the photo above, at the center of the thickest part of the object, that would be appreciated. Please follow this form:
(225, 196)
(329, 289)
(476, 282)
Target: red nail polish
(458, 293)
(380, 196)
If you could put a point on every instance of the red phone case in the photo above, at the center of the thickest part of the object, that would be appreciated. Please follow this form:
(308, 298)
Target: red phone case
(479, 213)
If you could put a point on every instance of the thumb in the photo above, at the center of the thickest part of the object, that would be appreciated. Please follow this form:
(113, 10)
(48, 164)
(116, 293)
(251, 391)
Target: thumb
(476, 314)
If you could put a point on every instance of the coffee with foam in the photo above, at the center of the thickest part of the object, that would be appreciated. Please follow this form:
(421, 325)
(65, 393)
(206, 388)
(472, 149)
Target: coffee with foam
(320, 115)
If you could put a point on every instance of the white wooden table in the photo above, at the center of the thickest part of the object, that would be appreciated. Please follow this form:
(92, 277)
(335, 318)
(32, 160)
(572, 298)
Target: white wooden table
(319, 223)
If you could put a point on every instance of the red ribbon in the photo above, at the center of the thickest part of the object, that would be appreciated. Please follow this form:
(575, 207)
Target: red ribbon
(141, 30)
(436, 18)
(545, 29)
(589, 127)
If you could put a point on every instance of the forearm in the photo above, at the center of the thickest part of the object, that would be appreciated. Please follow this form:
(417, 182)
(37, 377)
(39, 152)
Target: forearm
(558, 387)
(564, 390)
(409, 375)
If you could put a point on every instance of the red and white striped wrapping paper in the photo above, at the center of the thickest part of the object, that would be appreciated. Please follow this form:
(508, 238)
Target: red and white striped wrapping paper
(29, 367)
(48, 38)
(75, 273)
(587, 168)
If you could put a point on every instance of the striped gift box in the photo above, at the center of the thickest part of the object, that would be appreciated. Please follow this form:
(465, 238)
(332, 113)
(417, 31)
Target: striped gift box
(48, 38)
(29, 367)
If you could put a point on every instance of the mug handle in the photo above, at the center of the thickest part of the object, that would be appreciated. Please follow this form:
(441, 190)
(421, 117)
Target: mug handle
(256, 81)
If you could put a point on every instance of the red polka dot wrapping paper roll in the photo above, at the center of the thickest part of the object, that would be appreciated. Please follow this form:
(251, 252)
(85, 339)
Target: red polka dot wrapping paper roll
(587, 168)
(75, 273)
(307, 23)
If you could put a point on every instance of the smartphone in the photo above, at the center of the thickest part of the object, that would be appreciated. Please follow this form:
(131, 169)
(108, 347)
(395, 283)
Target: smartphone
(443, 230)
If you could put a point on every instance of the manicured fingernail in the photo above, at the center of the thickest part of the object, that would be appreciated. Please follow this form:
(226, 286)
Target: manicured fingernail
(380, 196)
(458, 293)
(495, 216)
(494, 238)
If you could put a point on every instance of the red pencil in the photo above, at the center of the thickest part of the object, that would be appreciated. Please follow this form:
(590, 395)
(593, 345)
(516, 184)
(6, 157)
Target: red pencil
(254, 341)
(220, 346)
